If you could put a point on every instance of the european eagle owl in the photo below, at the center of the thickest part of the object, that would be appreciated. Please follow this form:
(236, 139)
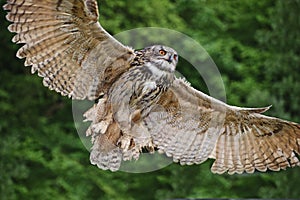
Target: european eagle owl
(140, 103)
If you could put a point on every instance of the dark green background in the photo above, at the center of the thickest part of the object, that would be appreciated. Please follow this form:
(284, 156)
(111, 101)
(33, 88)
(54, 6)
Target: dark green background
(255, 44)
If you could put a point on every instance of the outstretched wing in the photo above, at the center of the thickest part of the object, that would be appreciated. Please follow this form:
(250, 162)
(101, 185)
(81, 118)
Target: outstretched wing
(66, 45)
(192, 127)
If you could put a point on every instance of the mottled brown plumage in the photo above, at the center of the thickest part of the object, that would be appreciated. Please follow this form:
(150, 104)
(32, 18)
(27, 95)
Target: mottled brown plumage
(140, 102)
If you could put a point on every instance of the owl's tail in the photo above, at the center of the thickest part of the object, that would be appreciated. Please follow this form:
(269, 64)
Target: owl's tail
(105, 133)
(105, 154)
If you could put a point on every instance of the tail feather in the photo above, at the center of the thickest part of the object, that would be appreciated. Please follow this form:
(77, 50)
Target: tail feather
(105, 133)
(105, 155)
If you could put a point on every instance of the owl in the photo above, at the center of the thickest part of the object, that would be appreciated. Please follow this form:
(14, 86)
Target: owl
(139, 103)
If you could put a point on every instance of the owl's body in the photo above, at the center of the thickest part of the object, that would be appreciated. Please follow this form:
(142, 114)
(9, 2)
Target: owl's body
(141, 86)
(140, 103)
(131, 98)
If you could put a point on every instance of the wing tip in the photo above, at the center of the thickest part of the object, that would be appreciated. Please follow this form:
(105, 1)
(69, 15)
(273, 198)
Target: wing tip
(262, 109)
(92, 7)
(253, 110)
(7, 6)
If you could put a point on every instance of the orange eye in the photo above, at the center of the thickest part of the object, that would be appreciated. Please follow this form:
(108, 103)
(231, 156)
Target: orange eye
(162, 52)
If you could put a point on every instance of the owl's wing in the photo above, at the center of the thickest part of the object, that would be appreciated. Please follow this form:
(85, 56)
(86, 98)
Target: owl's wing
(192, 127)
(66, 45)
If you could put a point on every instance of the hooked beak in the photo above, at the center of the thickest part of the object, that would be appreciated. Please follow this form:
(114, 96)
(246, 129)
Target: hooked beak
(170, 59)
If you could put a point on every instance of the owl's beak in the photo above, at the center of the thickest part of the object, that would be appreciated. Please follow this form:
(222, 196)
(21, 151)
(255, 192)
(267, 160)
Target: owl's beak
(170, 59)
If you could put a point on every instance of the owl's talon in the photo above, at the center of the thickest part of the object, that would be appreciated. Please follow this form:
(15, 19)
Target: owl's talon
(125, 143)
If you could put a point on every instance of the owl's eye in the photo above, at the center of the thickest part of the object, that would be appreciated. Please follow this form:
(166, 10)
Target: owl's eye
(162, 52)
(175, 57)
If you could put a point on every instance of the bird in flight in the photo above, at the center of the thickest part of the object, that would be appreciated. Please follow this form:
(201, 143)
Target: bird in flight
(139, 103)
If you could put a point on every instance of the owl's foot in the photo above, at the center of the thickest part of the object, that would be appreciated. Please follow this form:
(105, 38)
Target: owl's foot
(132, 147)
(126, 143)
(128, 147)
(149, 147)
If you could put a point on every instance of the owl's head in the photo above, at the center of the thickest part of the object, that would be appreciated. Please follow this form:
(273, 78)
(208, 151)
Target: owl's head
(163, 57)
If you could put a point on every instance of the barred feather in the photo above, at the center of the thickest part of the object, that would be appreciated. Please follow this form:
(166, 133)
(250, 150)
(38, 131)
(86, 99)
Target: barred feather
(239, 139)
(66, 45)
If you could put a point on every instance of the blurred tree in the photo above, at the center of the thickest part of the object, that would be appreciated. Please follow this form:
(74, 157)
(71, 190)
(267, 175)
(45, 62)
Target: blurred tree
(282, 63)
(227, 30)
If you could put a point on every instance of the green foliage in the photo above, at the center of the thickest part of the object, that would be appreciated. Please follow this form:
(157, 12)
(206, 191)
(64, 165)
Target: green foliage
(255, 44)
(119, 15)
(282, 65)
